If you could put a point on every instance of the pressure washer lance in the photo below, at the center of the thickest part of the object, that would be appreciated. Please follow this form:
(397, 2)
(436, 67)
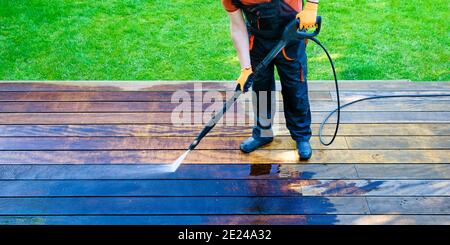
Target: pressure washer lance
(291, 34)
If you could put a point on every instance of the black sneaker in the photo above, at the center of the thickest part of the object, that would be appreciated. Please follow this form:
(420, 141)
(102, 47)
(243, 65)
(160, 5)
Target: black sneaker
(304, 150)
(252, 144)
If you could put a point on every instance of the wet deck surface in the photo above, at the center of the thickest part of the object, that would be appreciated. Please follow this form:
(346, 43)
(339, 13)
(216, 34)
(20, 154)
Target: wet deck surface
(86, 152)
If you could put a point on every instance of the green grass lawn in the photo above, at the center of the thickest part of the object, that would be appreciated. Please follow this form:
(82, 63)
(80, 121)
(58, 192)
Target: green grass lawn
(189, 40)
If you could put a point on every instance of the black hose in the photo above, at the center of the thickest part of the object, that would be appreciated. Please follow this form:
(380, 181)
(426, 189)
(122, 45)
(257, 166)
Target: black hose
(339, 107)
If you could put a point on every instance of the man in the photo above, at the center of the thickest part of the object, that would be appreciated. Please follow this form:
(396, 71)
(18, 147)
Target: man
(253, 37)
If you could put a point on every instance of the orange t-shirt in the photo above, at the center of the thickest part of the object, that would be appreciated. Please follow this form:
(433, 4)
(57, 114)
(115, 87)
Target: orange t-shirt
(228, 5)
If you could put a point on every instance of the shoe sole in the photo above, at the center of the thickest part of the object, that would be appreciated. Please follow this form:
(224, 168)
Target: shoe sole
(255, 148)
(305, 159)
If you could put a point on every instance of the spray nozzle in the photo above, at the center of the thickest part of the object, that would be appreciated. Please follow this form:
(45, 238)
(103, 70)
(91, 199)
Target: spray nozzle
(193, 145)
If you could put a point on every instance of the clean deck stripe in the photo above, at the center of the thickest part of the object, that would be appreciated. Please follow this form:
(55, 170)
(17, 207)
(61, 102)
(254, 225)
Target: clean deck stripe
(183, 205)
(189, 171)
(223, 188)
(224, 205)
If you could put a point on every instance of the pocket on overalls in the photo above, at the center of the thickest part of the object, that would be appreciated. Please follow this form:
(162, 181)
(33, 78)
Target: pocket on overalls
(267, 18)
(290, 53)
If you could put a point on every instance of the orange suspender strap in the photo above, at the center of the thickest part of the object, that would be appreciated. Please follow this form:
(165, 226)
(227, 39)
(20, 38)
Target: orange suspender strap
(252, 39)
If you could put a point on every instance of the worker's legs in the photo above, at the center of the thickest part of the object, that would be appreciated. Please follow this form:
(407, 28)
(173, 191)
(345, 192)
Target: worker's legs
(264, 102)
(263, 97)
(292, 69)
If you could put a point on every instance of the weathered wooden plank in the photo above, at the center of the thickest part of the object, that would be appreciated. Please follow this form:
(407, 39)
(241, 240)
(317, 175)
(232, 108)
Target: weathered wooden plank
(222, 156)
(229, 220)
(182, 205)
(230, 118)
(347, 96)
(105, 85)
(404, 171)
(147, 130)
(155, 96)
(141, 130)
(393, 219)
(322, 106)
(387, 105)
(168, 96)
(409, 205)
(65, 106)
(137, 96)
(148, 143)
(372, 187)
(397, 85)
(112, 118)
(380, 85)
(398, 142)
(223, 188)
(186, 171)
(115, 85)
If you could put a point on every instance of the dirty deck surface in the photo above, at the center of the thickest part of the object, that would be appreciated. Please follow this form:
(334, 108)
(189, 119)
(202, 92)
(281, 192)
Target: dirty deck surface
(85, 153)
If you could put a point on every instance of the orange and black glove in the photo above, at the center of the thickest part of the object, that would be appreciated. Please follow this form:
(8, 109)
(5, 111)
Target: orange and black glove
(245, 80)
(307, 17)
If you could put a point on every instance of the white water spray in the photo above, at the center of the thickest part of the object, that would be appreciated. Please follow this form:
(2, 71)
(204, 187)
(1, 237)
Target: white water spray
(167, 168)
(176, 164)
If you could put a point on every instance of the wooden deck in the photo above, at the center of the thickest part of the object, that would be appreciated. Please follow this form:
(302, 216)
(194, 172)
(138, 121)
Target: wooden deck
(84, 152)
